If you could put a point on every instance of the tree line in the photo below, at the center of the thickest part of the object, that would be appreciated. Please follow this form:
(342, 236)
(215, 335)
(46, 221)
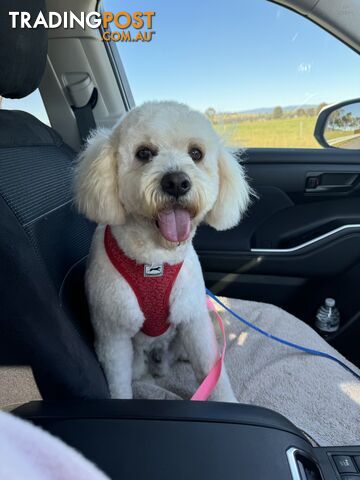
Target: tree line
(277, 113)
(343, 120)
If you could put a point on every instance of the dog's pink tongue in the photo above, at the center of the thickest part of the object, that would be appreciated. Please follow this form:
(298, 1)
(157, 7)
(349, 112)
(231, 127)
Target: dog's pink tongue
(174, 224)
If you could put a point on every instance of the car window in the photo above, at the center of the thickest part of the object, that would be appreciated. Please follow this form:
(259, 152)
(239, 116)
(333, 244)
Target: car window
(32, 104)
(258, 70)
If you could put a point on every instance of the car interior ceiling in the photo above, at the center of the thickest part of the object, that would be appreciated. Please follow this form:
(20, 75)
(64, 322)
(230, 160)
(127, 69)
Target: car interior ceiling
(45, 325)
(340, 18)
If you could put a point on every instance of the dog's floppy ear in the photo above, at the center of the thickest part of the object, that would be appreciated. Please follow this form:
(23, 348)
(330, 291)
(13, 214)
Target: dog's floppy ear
(96, 181)
(234, 193)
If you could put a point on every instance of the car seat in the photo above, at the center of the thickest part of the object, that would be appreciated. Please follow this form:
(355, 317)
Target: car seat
(43, 241)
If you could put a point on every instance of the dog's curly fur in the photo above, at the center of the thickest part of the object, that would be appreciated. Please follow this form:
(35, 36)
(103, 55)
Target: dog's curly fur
(113, 187)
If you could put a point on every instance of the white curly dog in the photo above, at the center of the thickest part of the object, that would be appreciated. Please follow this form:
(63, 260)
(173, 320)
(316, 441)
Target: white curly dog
(149, 182)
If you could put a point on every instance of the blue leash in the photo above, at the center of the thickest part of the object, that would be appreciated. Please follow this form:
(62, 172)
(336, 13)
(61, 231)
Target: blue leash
(280, 340)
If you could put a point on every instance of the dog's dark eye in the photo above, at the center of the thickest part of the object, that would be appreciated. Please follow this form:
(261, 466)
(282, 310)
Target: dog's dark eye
(196, 154)
(145, 154)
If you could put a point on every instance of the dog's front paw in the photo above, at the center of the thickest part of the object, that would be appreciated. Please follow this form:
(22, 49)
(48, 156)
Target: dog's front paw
(229, 398)
(223, 393)
(224, 398)
(120, 392)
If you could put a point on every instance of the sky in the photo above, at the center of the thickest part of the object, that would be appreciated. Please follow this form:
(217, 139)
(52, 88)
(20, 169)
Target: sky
(236, 55)
(231, 55)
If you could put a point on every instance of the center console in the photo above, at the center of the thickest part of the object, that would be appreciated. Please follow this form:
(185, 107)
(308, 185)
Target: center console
(173, 440)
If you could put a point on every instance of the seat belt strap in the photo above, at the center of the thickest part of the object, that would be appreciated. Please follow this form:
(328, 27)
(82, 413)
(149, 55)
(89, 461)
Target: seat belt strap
(83, 99)
(85, 117)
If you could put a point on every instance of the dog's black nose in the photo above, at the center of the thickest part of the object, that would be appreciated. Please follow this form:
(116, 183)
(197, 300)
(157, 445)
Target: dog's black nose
(176, 184)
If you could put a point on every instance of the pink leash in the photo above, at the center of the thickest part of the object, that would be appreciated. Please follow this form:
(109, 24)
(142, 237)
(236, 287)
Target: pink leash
(210, 381)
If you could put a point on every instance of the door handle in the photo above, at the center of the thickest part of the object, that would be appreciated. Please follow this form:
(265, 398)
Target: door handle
(331, 182)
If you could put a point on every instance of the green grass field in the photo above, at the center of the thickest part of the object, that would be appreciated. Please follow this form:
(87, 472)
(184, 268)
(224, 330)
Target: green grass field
(297, 132)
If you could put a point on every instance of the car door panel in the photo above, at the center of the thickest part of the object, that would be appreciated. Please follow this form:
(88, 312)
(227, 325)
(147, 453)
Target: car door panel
(312, 223)
(294, 247)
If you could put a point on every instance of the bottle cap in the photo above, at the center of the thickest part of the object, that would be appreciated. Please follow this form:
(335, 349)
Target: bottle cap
(330, 302)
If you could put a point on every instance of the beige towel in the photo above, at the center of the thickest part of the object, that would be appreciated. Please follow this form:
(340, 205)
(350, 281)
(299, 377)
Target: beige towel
(316, 394)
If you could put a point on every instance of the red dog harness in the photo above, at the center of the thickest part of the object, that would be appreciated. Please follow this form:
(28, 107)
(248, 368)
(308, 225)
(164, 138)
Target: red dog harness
(152, 285)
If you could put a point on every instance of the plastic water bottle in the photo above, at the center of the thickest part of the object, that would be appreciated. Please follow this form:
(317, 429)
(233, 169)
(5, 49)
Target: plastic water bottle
(327, 318)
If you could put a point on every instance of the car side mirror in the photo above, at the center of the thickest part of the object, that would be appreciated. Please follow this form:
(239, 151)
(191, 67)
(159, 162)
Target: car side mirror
(338, 125)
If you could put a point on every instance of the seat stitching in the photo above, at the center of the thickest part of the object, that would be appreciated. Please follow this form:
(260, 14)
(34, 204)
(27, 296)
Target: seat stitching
(46, 213)
(61, 289)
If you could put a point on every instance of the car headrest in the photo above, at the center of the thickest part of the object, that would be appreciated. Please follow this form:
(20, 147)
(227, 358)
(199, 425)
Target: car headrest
(22, 50)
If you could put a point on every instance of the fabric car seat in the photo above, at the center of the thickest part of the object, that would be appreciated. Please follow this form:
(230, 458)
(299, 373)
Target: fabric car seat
(43, 241)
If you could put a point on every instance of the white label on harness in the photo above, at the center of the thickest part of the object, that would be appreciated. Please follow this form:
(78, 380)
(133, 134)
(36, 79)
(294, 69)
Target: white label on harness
(153, 270)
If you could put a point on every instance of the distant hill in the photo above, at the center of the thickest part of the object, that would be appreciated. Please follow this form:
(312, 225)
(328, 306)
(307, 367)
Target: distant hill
(288, 108)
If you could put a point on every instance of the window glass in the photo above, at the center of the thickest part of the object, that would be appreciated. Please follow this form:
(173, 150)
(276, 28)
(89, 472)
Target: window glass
(32, 104)
(260, 72)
